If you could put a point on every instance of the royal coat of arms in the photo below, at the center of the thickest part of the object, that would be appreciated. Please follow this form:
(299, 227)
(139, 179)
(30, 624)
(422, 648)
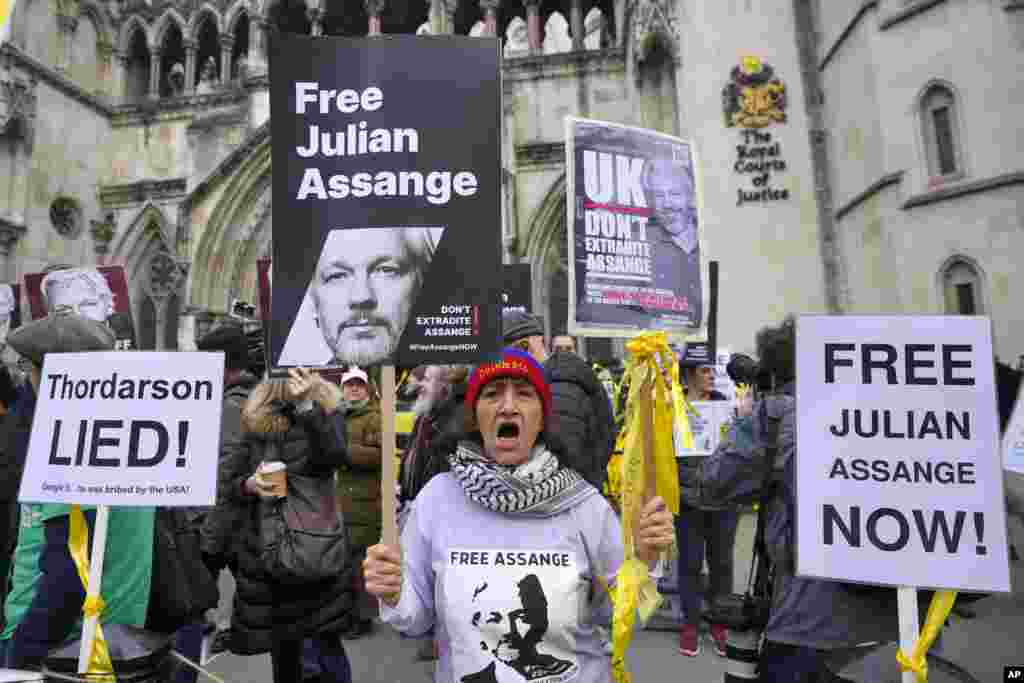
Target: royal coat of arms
(753, 97)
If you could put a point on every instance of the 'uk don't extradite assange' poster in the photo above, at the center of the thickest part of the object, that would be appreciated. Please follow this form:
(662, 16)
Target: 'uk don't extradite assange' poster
(635, 259)
(386, 154)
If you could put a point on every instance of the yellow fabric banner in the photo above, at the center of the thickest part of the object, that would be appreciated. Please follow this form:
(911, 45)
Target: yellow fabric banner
(6, 16)
(651, 409)
(100, 667)
(942, 604)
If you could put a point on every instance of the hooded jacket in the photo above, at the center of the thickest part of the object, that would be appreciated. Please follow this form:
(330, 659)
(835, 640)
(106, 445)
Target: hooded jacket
(313, 444)
(581, 416)
(221, 521)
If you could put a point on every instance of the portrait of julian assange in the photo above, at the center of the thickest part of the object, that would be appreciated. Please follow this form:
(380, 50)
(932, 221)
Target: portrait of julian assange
(8, 304)
(360, 297)
(87, 291)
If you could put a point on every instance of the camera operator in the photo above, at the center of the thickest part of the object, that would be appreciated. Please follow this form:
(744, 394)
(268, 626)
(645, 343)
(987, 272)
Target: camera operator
(809, 619)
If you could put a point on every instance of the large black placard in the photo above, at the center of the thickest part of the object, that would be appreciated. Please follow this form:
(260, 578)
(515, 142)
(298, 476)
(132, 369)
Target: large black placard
(386, 156)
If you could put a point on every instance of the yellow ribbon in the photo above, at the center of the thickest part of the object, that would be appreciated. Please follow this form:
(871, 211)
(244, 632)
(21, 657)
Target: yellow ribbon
(650, 411)
(938, 611)
(100, 667)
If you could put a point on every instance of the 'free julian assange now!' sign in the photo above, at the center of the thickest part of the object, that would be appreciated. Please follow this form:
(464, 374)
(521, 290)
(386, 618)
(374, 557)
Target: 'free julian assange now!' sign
(117, 428)
(899, 473)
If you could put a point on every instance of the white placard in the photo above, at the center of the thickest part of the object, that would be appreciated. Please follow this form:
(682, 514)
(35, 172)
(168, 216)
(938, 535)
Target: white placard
(1013, 439)
(723, 383)
(899, 475)
(126, 428)
(706, 422)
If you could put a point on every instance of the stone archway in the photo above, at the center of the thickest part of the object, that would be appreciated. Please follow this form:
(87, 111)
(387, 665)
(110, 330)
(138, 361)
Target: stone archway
(547, 251)
(231, 216)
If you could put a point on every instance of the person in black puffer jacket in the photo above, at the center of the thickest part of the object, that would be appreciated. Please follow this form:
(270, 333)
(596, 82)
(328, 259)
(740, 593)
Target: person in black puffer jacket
(581, 412)
(280, 422)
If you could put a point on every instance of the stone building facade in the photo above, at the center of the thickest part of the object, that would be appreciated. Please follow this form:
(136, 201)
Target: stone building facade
(136, 132)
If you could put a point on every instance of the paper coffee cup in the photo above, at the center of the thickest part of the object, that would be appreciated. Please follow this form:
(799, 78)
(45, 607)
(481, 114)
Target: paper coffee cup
(275, 473)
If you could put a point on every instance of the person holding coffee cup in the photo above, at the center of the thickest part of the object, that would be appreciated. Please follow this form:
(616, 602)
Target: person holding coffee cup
(292, 428)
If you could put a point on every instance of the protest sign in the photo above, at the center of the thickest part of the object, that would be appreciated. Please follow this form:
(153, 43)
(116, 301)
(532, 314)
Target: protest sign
(1013, 439)
(900, 477)
(706, 420)
(723, 383)
(634, 232)
(104, 299)
(388, 170)
(125, 429)
(517, 293)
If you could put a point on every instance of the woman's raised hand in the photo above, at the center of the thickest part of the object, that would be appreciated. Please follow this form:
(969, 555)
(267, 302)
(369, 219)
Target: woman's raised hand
(654, 531)
(300, 383)
(382, 572)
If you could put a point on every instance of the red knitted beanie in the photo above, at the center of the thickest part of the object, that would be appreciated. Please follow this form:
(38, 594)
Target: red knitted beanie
(513, 363)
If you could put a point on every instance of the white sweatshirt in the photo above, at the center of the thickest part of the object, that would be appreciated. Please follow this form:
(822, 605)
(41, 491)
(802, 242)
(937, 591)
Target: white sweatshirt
(511, 597)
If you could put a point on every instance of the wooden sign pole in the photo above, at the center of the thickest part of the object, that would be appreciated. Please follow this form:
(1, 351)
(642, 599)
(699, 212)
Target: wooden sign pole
(389, 461)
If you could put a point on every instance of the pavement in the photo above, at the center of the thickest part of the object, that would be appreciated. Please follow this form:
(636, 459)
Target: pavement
(982, 646)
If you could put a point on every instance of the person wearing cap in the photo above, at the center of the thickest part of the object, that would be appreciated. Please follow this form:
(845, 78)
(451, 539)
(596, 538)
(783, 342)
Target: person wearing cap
(581, 412)
(359, 480)
(702, 530)
(46, 596)
(505, 553)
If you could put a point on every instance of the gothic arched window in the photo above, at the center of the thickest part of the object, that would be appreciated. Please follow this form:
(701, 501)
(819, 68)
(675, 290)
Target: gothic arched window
(962, 288)
(940, 127)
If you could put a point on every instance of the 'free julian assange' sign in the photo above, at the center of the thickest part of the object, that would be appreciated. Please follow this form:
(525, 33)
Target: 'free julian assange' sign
(116, 428)
(899, 479)
(387, 161)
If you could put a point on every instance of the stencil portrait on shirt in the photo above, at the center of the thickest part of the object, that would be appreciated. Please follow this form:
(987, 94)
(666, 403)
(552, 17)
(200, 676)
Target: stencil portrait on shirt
(518, 608)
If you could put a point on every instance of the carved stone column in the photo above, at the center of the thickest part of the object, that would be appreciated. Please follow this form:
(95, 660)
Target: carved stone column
(490, 10)
(106, 67)
(533, 29)
(154, 73)
(165, 278)
(436, 16)
(191, 50)
(67, 24)
(17, 127)
(316, 18)
(227, 43)
(374, 10)
(449, 14)
(576, 24)
(256, 60)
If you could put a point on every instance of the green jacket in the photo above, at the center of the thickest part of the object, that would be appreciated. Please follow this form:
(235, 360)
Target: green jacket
(358, 481)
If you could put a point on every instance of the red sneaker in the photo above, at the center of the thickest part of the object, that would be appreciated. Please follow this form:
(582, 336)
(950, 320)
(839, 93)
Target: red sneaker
(689, 640)
(720, 635)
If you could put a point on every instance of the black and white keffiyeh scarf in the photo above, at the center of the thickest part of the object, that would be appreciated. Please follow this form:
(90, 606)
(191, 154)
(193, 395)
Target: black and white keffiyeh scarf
(540, 487)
